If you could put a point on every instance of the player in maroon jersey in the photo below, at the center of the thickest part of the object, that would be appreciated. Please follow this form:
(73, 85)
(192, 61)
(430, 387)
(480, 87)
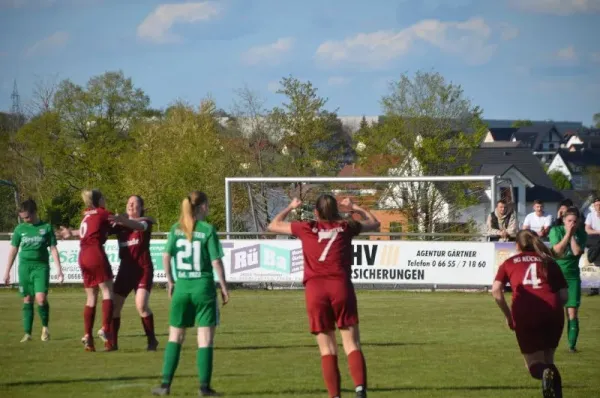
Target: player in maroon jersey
(93, 262)
(329, 292)
(539, 293)
(136, 271)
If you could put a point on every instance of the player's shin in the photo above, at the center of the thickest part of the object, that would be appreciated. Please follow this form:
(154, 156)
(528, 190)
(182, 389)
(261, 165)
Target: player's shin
(148, 324)
(358, 369)
(27, 317)
(204, 361)
(107, 312)
(114, 328)
(172, 353)
(573, 332)
(44, 313)
(89, 316)
(331, 374)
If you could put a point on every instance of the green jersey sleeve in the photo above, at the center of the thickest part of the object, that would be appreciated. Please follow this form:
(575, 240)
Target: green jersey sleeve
(16, 238)
(51, 237)
(215, 249)
(171, 240)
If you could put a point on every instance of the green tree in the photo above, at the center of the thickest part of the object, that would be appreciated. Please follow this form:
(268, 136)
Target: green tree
(597, 120)
(560, 181)
(521, 123)
(429, 128)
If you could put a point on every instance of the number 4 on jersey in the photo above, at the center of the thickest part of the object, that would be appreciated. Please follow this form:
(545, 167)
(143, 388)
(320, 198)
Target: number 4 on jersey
(531, 277)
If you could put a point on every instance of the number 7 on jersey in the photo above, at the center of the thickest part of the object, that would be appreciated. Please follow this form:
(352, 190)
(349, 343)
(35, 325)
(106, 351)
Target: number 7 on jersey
(330, 235)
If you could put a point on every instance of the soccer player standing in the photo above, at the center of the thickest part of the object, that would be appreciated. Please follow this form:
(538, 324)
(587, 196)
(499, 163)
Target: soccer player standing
(329, 292)
(539, 292)
(196, 249)
(136, 271)
(568, 243)
(31, 241)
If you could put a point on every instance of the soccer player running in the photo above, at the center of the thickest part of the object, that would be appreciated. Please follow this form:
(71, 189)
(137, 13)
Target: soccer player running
(31, 241)
(568, 243)
(93, 262)
(197, 250)
(136, 272)
(329, 292)
(539, 292)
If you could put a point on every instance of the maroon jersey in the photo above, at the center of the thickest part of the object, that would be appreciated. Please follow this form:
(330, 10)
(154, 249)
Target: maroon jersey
(326, 247)
(134, 246)
(94, 228)
(535, 289)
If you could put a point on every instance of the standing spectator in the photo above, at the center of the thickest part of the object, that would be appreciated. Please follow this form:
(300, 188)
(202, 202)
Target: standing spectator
(502, 224)
(538, 221)
(592, 227)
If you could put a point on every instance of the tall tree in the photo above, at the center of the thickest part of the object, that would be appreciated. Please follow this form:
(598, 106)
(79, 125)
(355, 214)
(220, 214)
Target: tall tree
(429, 128)
(597, 120)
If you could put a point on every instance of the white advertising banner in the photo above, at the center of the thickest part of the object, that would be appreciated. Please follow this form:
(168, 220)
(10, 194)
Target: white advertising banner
(373, 262)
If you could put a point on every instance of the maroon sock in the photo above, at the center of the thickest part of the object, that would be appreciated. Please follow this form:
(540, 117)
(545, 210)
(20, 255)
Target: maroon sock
(148, 324)
(116, 325)
(89, 315)
(358, 368)
(331, 374)
(107, 311)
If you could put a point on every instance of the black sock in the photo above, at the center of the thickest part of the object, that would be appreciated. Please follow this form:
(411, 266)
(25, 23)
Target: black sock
(557, 381)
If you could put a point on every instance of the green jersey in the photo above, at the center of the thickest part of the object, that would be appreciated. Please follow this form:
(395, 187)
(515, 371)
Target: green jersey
(192, 261)
(569, 263)
(33, 241)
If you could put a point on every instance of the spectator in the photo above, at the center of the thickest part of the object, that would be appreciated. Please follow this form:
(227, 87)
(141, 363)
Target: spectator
(562, 207)
(502, 224)
(538, 221)
(592, 227)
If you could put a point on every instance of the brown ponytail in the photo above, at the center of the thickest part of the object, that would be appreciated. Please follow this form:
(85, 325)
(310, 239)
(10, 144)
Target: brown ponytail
(530, 242)
(187, 219)
(327, 208)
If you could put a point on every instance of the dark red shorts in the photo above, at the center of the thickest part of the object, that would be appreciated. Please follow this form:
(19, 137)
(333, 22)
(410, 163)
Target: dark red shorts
(95, 268)
(539, 332)
(330, 303)
(133, 277)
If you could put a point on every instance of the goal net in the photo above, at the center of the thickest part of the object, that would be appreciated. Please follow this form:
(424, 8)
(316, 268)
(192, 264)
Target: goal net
(427, 208)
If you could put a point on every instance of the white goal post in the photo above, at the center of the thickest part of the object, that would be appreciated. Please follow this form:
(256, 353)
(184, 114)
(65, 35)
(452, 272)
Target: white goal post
(229, 181)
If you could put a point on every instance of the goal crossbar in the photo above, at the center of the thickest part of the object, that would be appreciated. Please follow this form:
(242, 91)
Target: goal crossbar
(391, 179)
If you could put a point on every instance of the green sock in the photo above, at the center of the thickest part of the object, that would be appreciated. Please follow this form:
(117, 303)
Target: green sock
(44, 312)
(172, 352)
(204, 360)
(27, 317)
(573, 332)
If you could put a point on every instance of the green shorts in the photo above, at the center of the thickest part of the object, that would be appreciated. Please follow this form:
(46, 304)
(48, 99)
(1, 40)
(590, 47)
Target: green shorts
(193, 308)
(33, 278)
(574, 288)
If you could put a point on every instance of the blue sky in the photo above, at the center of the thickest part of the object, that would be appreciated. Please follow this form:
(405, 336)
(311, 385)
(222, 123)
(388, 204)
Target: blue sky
(536, 59)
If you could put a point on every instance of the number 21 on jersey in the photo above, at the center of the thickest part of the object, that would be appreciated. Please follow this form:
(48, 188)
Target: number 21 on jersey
(531, 277)
(187, 249)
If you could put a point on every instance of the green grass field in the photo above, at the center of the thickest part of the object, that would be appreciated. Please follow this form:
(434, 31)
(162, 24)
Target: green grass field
(416, 345)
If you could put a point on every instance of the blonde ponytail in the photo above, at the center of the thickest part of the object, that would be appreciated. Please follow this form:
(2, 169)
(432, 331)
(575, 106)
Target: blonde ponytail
(91, 197)
(186, 218)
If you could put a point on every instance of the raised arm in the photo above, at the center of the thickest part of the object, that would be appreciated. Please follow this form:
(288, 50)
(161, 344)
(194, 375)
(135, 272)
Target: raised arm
(369, 222)
(576, 248)
(560, 247)
(135, 224)
(279, 224)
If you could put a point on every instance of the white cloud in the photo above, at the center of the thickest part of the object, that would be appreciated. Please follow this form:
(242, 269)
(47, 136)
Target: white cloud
(157, 25)
(558, 7)
(566, 54)
(53, 42)
(268, 54)
(508, 32)
(273, 86)
(338, 81)
(469, 39)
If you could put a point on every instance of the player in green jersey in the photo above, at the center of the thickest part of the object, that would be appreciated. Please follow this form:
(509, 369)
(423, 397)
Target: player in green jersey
(568, 243)
(194, 246)
(31, 241)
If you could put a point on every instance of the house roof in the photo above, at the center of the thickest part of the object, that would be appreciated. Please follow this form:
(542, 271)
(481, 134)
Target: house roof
(578, 160)
(591, 141)
(502, 144)
(499, 160)
(503, 134)
(534, 135)
(562, 126)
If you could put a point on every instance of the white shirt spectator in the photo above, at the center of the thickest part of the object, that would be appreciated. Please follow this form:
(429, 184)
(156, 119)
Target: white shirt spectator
(536, 223)
(593, 220)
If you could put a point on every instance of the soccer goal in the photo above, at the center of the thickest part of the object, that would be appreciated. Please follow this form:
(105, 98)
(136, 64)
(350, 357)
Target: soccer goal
(450, 207)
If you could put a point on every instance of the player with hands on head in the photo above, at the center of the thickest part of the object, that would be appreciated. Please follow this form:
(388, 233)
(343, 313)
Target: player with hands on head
(31, 240)
(329, 292)
(568, 241)
(194, 246)
(536, 315)
(136, 271)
